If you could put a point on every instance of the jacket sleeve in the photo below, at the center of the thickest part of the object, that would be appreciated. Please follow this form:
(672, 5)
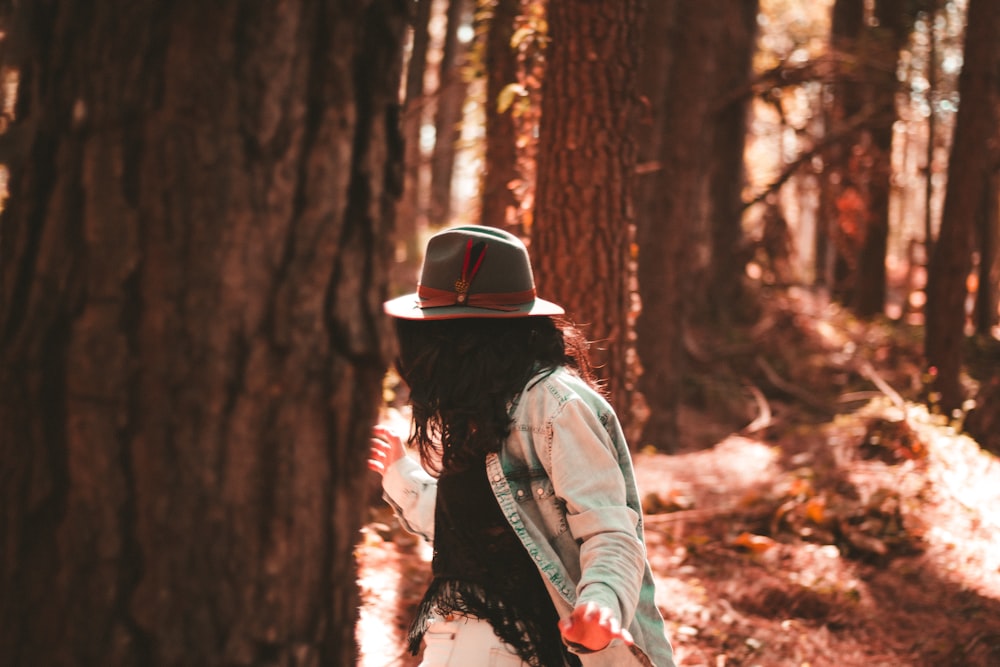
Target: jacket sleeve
(586, 475)
(412, 493)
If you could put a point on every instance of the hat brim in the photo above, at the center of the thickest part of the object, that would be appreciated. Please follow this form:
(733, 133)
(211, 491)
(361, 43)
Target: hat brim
(408, 308)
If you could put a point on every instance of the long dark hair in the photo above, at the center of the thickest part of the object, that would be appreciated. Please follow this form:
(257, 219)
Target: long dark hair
(463, 375)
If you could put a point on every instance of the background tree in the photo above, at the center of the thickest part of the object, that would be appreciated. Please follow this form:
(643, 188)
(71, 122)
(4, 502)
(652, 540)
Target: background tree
(191, 269)
(451, 95)
(887, 33)
(732, 74)
(844, 207)
(411, 214)
(858, 185)
(500, 160)
(987, 310)
(969, 171)
(696, 59)
(581, 236)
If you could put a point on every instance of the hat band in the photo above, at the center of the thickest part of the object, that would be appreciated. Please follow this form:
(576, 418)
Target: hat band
(431, 297)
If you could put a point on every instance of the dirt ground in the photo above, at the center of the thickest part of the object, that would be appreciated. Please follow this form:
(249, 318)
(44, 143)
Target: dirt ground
(816, 514)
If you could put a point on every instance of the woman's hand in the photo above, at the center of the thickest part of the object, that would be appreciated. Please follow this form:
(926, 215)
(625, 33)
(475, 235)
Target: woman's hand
(386, 448)
(593, 627)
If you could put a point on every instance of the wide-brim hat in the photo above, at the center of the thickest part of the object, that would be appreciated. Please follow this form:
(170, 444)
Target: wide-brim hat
(473, 271)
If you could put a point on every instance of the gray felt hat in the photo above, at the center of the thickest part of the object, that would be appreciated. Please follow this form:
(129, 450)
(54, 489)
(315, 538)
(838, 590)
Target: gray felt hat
(473, 271)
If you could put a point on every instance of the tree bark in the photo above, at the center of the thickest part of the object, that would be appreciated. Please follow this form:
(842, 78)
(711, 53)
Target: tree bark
(411, 216)
(725, 295)
(451, 96)
(192, 262)
(688, 208)
(988, 290)
(581, 234)
(884, 42)
(968, 171)
(499, 204)
(846, 211)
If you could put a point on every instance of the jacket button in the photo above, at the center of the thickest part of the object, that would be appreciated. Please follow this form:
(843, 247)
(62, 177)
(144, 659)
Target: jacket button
(541, 492)
(520, 492)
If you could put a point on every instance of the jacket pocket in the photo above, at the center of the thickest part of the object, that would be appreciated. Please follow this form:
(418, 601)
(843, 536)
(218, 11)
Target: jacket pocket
(535, 495)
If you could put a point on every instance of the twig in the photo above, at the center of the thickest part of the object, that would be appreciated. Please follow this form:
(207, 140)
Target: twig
(869, 372)
(763, 419)
(790, 388)
(854, 124)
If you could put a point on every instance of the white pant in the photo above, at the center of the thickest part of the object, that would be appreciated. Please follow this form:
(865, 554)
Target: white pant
(466, 642)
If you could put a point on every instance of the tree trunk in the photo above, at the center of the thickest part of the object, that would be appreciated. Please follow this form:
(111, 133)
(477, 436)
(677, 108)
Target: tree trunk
(968, 171)
(687, 70)
(884, 42)
(450, 101)
(499, 204)
(847, 210)
(581, 233)
(737, 42)
(411, 216)
(191, 268)
(988, 289)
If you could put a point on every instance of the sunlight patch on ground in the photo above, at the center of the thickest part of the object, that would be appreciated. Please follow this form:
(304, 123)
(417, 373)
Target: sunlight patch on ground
(379, 579)
(728, 473)
(967, 482)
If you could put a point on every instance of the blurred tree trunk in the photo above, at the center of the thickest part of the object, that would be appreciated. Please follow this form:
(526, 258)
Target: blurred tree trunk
(451, 95)
(665, 215)
(498, 200)
(883, 43)
(845, 210)
(860, 173)
(695, 58)
(969, 169)
(932, 9)
(191, 270)
(411, 218)
(586, 159)
(988, 291)
(726, 299)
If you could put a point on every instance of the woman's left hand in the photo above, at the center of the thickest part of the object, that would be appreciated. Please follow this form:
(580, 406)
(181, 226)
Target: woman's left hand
(593, 627)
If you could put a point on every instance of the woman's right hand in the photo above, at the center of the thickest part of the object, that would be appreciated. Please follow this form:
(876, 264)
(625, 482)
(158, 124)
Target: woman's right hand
(386, 448)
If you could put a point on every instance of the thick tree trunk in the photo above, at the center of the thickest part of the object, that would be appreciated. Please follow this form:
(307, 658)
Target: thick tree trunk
(498, 200)
(581, 234)
(737, 43)
(450, 102)
(191, 267)
(968, 172)
(685, 199)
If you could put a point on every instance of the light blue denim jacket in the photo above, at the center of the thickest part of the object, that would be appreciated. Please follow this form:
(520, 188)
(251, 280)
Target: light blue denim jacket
(564, 480)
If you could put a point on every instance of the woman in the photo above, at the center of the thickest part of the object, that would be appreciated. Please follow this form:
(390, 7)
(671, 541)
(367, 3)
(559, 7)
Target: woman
(525, 483)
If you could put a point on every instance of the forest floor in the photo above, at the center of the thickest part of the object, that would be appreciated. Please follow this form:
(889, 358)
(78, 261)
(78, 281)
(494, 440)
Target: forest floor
(816, 514)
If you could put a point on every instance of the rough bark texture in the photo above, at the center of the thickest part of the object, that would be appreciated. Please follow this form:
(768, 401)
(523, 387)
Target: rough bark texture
(498, 201)
(968, 173)
(581, 233)
(191, 268)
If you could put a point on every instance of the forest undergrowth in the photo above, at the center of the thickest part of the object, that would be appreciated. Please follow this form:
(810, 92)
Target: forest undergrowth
(816, 513)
